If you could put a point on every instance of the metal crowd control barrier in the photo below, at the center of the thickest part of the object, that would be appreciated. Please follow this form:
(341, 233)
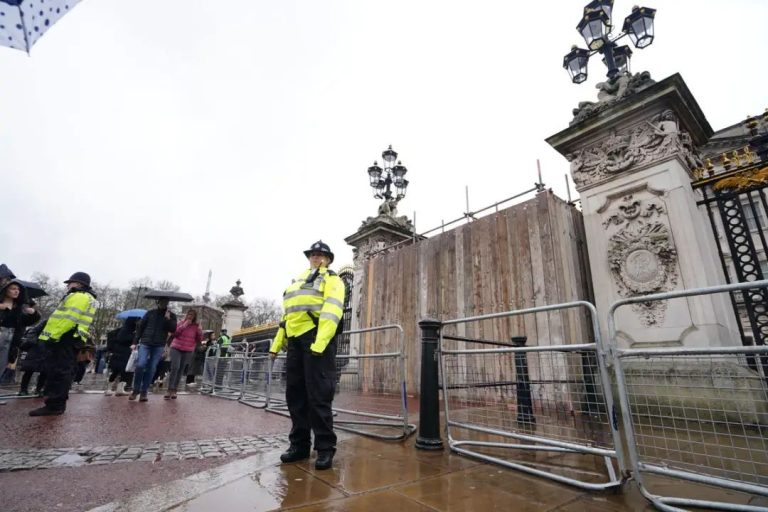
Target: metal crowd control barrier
(223, 374)
(256, 380)
(549, 399)
(371, 394)
(695, 414)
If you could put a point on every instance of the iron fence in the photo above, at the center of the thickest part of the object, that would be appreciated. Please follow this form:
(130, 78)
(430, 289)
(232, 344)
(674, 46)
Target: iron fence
(539, 400)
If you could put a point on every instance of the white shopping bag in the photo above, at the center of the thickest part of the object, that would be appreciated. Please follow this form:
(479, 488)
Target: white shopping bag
(131, 366)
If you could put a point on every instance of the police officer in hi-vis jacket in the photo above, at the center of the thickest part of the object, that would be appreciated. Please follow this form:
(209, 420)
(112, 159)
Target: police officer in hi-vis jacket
(64, 333)
(314, 305)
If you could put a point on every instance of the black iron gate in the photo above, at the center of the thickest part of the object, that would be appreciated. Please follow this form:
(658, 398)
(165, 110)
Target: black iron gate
(342, 343)
(736, 205)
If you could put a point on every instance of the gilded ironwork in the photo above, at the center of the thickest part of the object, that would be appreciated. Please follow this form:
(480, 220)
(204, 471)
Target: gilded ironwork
(742, 180)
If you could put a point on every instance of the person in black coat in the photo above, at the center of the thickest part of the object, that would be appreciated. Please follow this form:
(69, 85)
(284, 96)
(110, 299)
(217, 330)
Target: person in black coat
(119, 343)
(15, 316)
(31, 360)
(151, 338)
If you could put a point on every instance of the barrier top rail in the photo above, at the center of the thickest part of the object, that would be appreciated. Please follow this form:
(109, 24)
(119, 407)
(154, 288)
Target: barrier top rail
(693, 351)
(707, 290)
(537, 309)
(509, 350)
(401, 338)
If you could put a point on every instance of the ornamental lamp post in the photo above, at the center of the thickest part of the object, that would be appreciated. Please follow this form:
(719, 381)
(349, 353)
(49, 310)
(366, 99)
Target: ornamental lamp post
(596, 28)
(392, 173)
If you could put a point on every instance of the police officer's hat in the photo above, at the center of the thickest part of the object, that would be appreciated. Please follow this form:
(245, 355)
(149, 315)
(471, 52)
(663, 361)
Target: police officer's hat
(80, 277)
(321, 247)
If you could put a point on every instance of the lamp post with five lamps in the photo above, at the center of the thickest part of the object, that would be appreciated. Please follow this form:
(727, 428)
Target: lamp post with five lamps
(596, 28)
(392, 173)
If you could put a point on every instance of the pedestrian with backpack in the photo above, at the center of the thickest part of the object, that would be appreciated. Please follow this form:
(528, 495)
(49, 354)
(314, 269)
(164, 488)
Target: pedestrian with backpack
(314, 305)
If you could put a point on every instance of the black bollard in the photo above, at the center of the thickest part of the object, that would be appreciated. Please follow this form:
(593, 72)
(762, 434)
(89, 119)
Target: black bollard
(523, 383)
(429, 406)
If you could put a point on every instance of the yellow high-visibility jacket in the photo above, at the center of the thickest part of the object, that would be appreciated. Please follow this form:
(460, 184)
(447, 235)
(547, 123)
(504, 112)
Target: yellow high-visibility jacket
(77, 309)
(323, 298)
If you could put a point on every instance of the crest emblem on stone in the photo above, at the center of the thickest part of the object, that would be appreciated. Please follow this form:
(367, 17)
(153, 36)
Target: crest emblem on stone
(641, 255)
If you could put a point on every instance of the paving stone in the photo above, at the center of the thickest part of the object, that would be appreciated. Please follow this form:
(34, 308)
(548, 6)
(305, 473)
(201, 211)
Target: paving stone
(29, 458)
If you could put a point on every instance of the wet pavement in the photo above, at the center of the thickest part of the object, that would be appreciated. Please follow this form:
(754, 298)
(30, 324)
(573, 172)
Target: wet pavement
(373, 475)
(94, 420)
(201, 453)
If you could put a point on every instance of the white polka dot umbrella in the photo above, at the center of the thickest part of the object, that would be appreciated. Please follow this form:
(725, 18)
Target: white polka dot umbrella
(22, 22)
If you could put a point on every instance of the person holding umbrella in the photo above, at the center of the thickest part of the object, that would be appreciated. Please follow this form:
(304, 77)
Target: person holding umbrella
(314, 305)
(151, 337)
(119, 348)
(64, 333)
(15, 316)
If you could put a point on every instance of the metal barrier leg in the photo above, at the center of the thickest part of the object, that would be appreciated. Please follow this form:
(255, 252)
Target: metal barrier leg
(429, 407)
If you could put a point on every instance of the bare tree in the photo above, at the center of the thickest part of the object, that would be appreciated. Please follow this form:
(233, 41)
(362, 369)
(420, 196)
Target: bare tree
(168, 286)
(262, 311)
(55, 290)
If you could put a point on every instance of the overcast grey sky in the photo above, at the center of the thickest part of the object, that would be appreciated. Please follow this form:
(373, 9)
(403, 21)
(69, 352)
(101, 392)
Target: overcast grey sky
(162, 138)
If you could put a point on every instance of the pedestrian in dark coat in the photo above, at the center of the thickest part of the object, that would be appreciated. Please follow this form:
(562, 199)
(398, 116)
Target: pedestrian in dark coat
(151, 337)
(119, 344)
(32, 360)
(15, 316)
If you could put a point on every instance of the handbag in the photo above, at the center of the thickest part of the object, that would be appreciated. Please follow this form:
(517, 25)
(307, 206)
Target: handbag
(131, 364)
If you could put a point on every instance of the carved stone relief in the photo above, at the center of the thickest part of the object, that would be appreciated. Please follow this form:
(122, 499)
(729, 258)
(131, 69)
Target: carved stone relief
(642, 144)
(641, 254)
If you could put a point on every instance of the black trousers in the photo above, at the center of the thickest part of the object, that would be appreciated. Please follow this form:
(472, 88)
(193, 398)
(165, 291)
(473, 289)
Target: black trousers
(310, 382)
(60, 363)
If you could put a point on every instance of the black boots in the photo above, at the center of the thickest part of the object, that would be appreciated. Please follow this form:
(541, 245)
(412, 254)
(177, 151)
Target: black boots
(46, 411)
(294, 454)
(324, 459)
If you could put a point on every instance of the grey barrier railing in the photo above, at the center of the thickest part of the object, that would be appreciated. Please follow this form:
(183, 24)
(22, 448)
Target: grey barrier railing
(254, 391)
(223, 374)
(371, 392)
(698, 415)
(548, 399)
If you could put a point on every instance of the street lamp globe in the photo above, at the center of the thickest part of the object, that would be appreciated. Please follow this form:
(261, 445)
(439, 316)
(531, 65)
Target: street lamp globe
(600, 5)
(639, 26)
(575, 62)
(594, 28)
(374, 173)
(389, 155)
(398, 172)
(621, 56)
(401, 186)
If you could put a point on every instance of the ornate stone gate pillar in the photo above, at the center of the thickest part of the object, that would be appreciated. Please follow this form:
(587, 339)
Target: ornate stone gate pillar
(377, 236)
(632, 154)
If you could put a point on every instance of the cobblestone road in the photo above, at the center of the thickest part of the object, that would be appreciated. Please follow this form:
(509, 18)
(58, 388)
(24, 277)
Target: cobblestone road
(22, 459)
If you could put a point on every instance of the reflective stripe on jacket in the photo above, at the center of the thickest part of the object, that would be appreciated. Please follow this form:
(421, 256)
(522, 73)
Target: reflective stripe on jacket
(323, 299)
(76, 311)
(225, 340)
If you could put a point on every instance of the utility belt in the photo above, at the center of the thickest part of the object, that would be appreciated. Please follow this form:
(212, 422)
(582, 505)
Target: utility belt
(310, 334)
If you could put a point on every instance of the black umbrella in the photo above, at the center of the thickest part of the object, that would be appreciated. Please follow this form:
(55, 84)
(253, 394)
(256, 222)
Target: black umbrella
(34, 290)
(5, 272)
(171, 296)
